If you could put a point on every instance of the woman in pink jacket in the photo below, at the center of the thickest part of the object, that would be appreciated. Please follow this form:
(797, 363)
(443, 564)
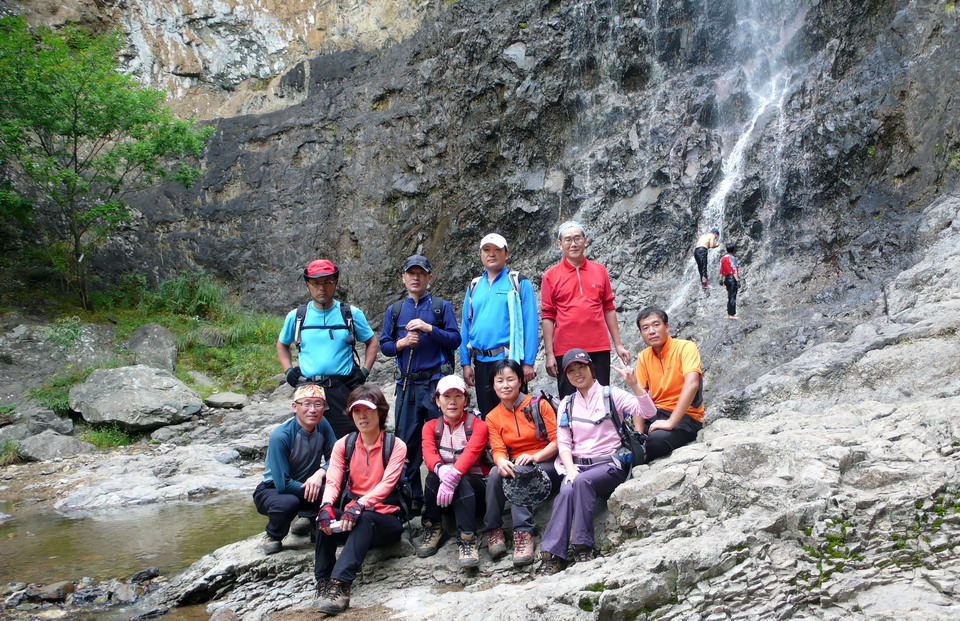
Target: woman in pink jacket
(589, 443)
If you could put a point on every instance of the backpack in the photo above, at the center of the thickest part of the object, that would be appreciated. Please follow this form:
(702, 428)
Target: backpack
(633, 443)
(345, 311)
(402, 494)
(532, 412)
(449, 355)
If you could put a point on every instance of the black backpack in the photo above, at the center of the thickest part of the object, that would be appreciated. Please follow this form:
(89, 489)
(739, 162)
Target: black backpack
(532, 412)
(402, 494)
(485, 456)
(449, 355)
(345, 311)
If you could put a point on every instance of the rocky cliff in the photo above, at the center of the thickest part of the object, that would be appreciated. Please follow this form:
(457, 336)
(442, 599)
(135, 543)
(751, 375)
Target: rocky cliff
(821, 135)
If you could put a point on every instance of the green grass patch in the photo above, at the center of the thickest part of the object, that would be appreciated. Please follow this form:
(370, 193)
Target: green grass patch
(55, 392)
(64, 332)
(9, 454)
(588, 603)
(596, 587)
(108, 436)
(6, 413)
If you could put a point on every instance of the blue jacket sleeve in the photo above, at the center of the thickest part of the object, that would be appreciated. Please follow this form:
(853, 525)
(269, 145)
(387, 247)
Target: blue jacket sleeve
(277, 451)
(531, 323)
(464, 329)
(447, 337)
(388, 344)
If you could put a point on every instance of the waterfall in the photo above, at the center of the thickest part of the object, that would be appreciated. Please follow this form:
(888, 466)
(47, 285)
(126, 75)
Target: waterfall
(764, 28)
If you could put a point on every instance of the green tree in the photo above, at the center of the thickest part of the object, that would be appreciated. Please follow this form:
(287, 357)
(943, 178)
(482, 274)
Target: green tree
(82, 135)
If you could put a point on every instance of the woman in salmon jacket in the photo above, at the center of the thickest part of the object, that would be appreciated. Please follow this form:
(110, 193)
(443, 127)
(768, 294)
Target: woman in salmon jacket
(365, 489)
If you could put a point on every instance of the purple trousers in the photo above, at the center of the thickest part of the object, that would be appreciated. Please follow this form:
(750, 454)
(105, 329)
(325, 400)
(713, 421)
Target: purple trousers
(572, 517)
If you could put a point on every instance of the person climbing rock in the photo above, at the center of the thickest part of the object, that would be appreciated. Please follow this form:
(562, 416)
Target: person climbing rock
(730, 278)
(704, 243)
(326, 333)
(293, 477)
(669, 369)
(499, 321)
(421, 331)
(577, 309)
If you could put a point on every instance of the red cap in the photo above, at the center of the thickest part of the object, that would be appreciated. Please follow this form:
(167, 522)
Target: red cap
(320, 267)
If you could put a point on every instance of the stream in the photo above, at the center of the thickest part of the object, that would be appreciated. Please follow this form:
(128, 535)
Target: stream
(44, 547)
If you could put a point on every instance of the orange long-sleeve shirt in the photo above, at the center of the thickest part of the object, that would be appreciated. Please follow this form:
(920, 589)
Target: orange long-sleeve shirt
(368, 478)
(511, 434)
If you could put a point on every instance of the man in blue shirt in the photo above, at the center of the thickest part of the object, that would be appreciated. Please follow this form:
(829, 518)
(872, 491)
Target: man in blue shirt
(293, 478)
(327, 334)
(486, 324)
(422, 333)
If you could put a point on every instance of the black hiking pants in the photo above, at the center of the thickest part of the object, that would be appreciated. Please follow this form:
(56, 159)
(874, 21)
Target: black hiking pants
(732, 285)
(661, 442)
(372, 530)
(700, 256)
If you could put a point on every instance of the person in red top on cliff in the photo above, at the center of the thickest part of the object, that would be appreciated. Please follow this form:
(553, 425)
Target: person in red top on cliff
(366, 489)
(453, 448)
(730, 278)
(577, 309)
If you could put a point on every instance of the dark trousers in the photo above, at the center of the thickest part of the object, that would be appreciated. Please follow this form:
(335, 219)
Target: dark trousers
(280, 509)
(487, 399)
(467, 506)
(700, 256)
(372, 530)
(336, 406)
(732, 285)
(661, 442)
(601, 359)
(412, 409)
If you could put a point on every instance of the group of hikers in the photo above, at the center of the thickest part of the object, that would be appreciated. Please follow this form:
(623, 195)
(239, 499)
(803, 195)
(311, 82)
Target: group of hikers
(334, 473)
(729, 275)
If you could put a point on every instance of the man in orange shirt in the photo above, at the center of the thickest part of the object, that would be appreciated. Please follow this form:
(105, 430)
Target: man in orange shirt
(669, 369)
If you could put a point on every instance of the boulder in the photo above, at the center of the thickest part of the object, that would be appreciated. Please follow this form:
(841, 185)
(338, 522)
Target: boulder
(51, 445)
(137, 397)
(38, 418)
(16, 431)
(229, 400)
(153, 345)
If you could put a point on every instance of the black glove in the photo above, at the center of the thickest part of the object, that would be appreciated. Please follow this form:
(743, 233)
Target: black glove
(293, 376)
(352, 512)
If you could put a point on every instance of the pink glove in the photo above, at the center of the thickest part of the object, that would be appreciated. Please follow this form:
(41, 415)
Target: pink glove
(445, 495)
(449, 475)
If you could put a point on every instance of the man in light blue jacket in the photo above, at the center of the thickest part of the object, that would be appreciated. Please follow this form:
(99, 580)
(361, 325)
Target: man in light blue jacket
(489, 326)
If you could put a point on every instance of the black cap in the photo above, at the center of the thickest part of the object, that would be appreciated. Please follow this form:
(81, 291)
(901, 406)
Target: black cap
(575, 355)
(417, 260)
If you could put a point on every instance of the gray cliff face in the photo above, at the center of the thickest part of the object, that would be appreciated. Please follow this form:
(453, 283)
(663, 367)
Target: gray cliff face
(813, 133)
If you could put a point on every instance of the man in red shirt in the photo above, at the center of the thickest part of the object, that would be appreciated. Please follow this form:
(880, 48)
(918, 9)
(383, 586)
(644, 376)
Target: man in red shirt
(577, 309)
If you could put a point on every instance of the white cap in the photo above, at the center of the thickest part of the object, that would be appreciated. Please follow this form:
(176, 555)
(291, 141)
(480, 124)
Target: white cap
(451, 382)
(493, 238)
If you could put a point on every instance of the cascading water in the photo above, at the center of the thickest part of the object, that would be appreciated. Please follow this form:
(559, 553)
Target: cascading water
(764, 29)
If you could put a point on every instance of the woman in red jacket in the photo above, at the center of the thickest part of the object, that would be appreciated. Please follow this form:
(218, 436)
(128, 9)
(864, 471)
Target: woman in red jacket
(371, 511)
(518, 437)
(453, 446)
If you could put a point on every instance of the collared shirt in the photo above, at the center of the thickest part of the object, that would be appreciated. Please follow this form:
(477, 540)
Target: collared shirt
(428, 354)
(490, 327)
(576, 299)
(662, 376)
(368, 478)
(325, 352)
(455, 438)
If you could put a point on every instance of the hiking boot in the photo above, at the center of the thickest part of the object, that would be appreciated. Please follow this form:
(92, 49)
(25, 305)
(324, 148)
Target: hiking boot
(302, 526)
(469, 553)
(582, 554)
(496, 543)
(334, 599)
(522, 548)
(429, 540)
(550, 564)
(271, 546)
